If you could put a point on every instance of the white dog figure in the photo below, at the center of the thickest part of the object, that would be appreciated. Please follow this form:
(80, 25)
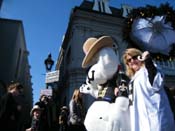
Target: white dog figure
(103, 115)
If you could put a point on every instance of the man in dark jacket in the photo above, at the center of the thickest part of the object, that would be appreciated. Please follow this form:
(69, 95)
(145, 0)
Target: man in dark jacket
(10, 115)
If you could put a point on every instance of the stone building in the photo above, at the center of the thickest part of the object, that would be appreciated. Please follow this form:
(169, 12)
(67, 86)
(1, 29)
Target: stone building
(90, 19)
(14, 55)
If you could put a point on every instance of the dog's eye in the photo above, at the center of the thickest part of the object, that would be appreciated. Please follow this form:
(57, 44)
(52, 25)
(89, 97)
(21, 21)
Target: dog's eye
(88, 88)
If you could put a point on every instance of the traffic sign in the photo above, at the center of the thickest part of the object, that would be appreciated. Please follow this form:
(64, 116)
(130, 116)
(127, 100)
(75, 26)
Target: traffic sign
(52, 76)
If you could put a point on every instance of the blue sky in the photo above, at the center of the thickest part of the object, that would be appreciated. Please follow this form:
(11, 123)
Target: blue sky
(45, 22)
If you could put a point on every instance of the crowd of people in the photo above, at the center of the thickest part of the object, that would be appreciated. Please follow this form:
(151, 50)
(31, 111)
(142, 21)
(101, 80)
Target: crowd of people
(150, 107)
(40, 115)
(69, 117)
(13, 112)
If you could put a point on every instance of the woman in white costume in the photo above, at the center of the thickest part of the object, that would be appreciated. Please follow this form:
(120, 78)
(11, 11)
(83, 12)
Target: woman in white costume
(150, 109)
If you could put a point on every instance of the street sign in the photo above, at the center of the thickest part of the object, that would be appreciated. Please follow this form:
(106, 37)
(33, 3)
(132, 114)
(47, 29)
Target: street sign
(52, 76)
(47, 92)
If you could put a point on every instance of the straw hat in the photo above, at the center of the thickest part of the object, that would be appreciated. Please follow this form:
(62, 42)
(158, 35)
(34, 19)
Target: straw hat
(93, 45)
(35, 107)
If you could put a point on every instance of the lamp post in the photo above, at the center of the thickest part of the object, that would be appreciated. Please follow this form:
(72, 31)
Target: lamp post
(48, 64)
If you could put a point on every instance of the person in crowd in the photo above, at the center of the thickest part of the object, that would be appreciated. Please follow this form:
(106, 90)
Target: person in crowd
(150, 109)
(76, 112)
(63, 119)
(23, 118)
(43, 101)
(36, 115)
(12, 109)
(44, 104)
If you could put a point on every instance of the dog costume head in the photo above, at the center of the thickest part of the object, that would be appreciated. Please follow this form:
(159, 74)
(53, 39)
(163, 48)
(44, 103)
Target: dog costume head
(102, 61)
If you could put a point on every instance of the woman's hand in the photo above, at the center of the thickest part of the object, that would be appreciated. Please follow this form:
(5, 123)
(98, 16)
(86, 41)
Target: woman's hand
(116, 91)
(144, 56)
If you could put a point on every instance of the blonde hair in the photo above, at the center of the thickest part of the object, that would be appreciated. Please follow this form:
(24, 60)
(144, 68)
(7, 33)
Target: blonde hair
(130, 52)
(77, 96)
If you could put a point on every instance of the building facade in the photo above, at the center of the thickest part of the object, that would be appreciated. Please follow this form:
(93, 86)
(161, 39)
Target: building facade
(89, 20)
(14, 61)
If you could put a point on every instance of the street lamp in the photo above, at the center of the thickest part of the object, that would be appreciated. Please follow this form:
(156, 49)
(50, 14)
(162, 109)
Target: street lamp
(49, 63)
(51, 105)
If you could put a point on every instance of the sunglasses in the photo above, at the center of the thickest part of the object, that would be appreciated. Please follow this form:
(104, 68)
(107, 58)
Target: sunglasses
(132, 58)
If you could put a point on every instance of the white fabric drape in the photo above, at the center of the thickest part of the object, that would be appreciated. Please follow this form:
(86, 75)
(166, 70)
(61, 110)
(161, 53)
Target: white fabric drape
(150, 110)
